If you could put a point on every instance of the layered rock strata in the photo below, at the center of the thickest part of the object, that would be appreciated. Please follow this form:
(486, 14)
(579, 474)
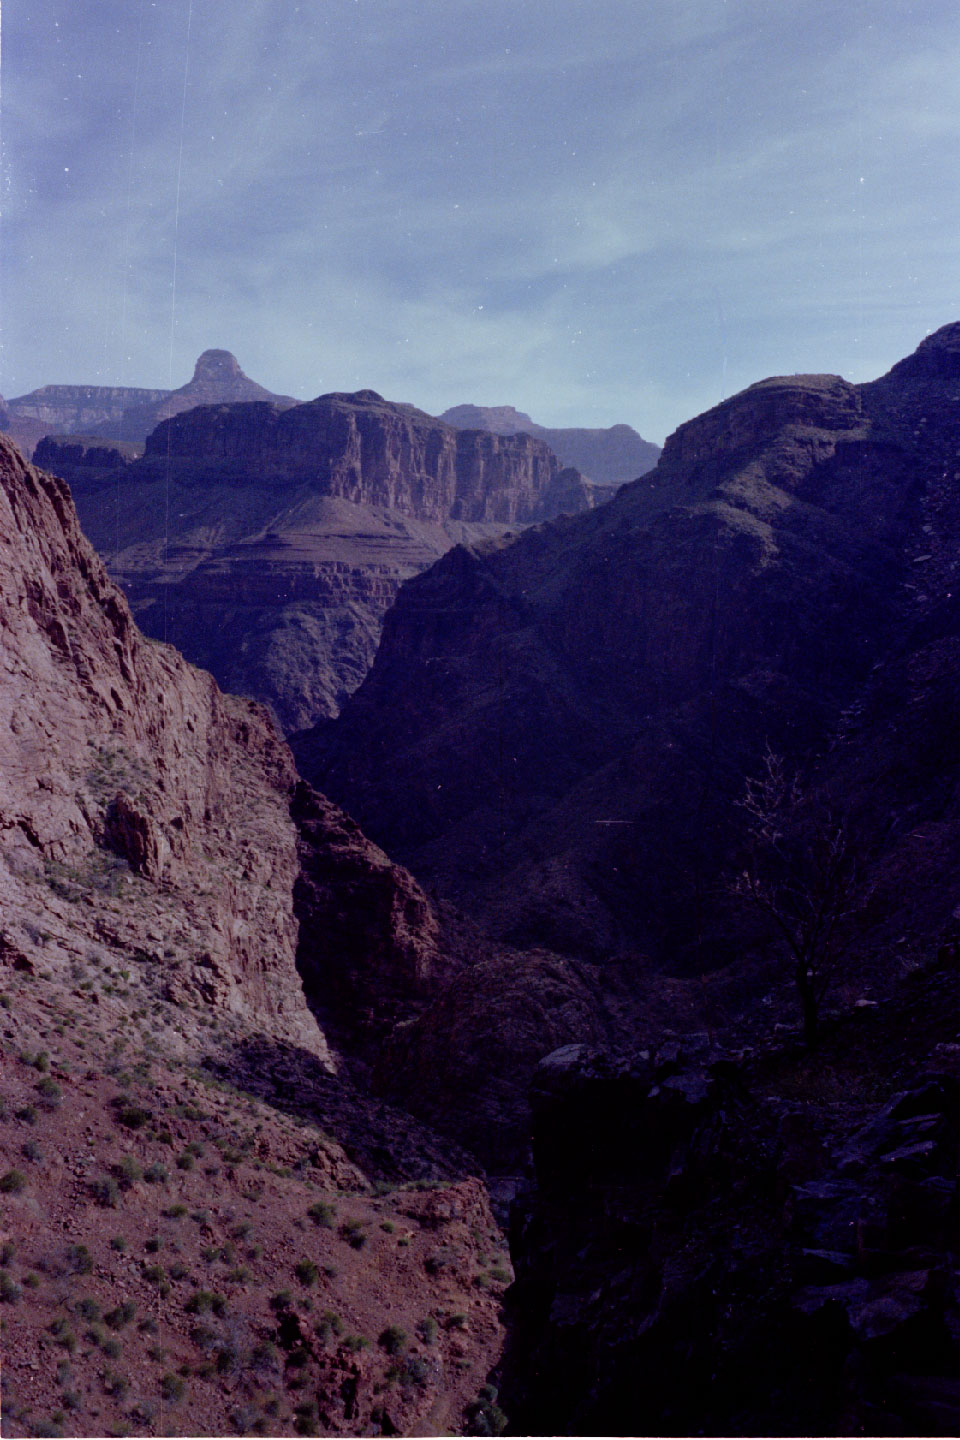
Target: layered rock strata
(268, 543)
(609, 456)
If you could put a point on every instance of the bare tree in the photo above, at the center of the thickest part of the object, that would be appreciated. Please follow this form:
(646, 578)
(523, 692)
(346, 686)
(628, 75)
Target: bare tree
(801, 873)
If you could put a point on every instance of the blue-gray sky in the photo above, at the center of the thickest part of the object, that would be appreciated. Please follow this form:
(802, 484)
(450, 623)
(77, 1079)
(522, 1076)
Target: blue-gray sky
(596, 210)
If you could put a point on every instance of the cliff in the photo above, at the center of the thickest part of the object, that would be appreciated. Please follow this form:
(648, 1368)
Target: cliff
(267, 543)
(750, 591)
(364, 449)
(120, 412)
(609, 456)
(125, 770)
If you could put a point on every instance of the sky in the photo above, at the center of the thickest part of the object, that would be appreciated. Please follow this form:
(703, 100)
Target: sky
(595, 210)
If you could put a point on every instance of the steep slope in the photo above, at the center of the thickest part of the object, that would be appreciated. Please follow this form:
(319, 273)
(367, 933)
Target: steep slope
(126, 770)
(162, 878)
(608, 457)
(555, 731)
(267, 543)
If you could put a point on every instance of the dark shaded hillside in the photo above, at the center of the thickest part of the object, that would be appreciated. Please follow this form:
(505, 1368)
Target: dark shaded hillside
(555, 731)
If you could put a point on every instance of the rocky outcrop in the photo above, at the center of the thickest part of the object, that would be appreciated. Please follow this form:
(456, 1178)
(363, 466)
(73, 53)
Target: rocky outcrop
(361, 448)
(217, 379)
(784, 578)
(267, 544)
(370, 949)
(608, 457)
(122, 412)
(80, 409)
(723, 1243)
(125, 772)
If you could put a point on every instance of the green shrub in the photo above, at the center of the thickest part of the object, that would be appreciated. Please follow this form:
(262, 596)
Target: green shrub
(121, 1315)
(322, 1214)
(353, 1343)
(30, 1150)
(118, 1243)
(50, 1093)
(306, 1272)
(63, 1334)
(105, 1190)
(12, 1182)
(127, 1172)
(88, 1308)
(427, 1330)
(10, 1291)
(393, 1339)
(354, 1233)
(172, 1388)
(185, 1161)
(79, 1260)
(155, 1174)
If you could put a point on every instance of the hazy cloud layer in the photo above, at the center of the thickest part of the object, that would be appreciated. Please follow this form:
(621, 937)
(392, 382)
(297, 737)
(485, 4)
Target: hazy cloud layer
(596, 210)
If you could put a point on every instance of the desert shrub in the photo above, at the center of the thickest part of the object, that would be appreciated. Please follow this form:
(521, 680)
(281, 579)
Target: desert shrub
(127, 1172)
(354, 1343)
(392, 1339)
(172, 1388)
(387, 1226)
(354, 1233)
(7, 1251)
(306, 1272)
(62, 1332)
(115, 1385)
(155, 1173)
(30, 1150)
(88, 1308)
(50, 1093)
(28, 1114)
(121, 1315)
(31, 1281)
(484, 1416)
(427, 1330)
(12, 1182)
(79, 1260)
(118, 1243)
(176, 1212)
(203, 1300)
(105, 1190)
(500, 1274)
(185, 1161)
(322, 1214)
(10, 1291)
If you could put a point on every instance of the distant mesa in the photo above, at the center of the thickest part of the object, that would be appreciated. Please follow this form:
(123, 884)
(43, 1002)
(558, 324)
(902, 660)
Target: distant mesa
(129, 413)
(290, 528)
(608, 457)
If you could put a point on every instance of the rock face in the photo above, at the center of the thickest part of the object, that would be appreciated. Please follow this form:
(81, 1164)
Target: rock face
(217, 380)
(268, 543)
(363, 449)
(608, 457)
(791, 545)
(125, 771)
(127, 412)
(731, 1244)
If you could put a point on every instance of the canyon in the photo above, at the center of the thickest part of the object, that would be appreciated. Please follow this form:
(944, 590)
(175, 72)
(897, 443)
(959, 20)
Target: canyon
(477, 953)
(268, 540)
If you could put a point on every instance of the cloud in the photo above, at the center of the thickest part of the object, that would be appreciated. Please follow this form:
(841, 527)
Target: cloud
(594, 209)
